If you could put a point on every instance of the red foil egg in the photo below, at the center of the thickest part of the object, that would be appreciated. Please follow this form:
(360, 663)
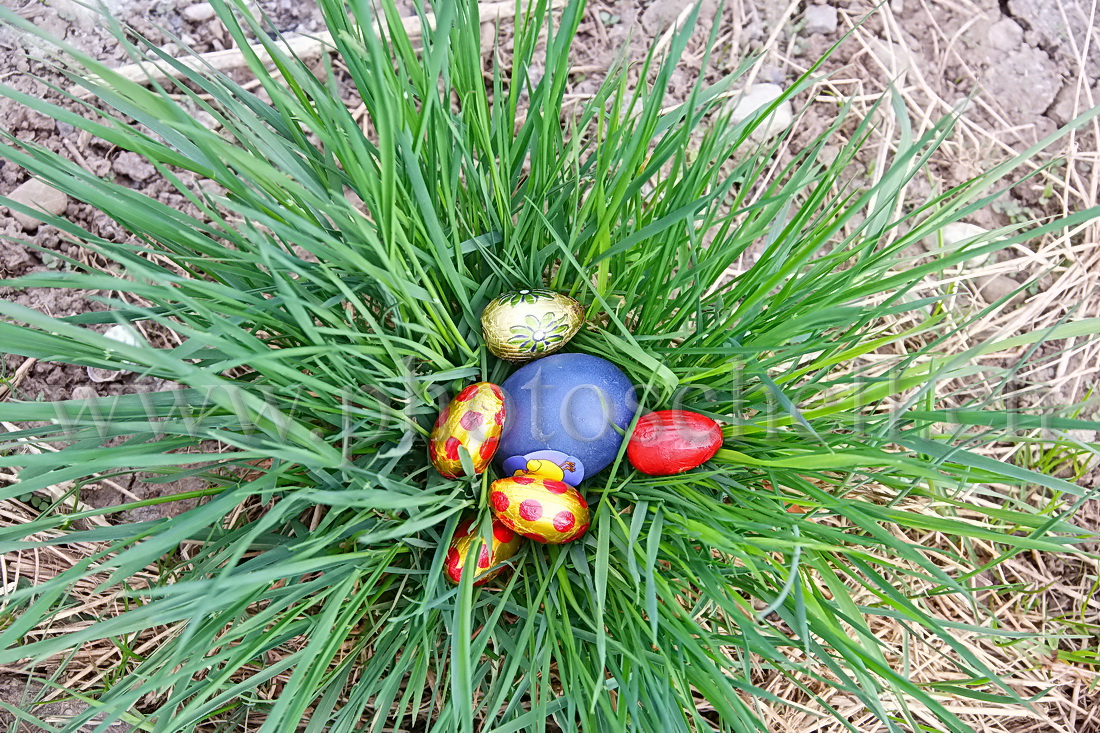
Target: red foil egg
(672, 441)
(505, 544)
(473, 420)
(540, 509)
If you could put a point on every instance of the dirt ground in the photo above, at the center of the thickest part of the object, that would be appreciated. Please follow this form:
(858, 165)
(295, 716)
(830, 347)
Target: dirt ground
(1019, 69)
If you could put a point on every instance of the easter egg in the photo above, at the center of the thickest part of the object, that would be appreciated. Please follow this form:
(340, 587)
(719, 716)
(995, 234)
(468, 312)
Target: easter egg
(473, 421)
(543, 510)
(505, 544)
(527, 324)
(672, 441)
(577, 404)
(551, 464)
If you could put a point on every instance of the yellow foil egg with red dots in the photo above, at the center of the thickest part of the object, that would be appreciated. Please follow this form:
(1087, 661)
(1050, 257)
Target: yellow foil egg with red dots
(540, 509)
(505, 544)
(473, 420)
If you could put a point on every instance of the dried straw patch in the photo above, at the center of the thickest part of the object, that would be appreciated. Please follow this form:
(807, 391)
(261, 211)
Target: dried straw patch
(1018, 596)
(88, 601)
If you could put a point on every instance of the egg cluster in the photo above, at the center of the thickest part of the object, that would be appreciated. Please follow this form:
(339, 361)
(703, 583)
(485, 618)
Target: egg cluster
(556, 420)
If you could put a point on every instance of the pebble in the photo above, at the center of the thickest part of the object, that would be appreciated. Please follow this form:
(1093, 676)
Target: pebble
(820, 19)
(38, 195)
(1023, 82)
(199, 12)
(133, 166)
(207, 120)
(761, 95)
(84, 392)
(955, 233)
(1006, 35)
(1062, 109)
(663, 13)
(488, 36)
(995, 287)
(894, 57)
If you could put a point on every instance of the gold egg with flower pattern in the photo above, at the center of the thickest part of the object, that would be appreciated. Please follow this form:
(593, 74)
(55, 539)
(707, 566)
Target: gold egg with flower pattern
(523, 325)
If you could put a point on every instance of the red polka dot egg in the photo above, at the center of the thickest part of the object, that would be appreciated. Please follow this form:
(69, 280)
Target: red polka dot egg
(540, 509)
(505, 544)
(472, 421)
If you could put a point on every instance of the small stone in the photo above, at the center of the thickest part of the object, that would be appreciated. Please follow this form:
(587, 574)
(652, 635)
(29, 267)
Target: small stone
(771, 74)
(199, 12)
(1023, 82)
(897, 6)
(488, 37)
(956, 233)
(820, 19)
(1006, 35)
(38, 195)
(762, 95)
(663, 13)
(995, 287)
(207, 120)
(84, 392)
(1062, 109)
(133, 166)
(894, 57)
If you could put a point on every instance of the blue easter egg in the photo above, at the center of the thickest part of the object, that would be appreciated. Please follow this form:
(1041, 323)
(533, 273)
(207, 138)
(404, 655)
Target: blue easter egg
(577, 404)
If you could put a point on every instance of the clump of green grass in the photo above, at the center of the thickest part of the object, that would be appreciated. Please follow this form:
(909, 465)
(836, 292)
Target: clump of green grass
(318, 335)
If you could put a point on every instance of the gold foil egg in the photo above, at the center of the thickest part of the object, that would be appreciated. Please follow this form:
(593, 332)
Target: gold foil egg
(505, 544)
(525, 324)
(540, 509)
(473, 420)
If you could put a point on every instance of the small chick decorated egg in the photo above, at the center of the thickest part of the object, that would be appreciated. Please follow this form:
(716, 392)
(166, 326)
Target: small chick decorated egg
(505, 544)
(543, 510)
(552, 464)
(473, 420)
(672, 441)
(527, 324)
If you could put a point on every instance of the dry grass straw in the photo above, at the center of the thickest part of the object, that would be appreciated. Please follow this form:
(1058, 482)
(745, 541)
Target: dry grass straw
(88, 600)
(1068, 700)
